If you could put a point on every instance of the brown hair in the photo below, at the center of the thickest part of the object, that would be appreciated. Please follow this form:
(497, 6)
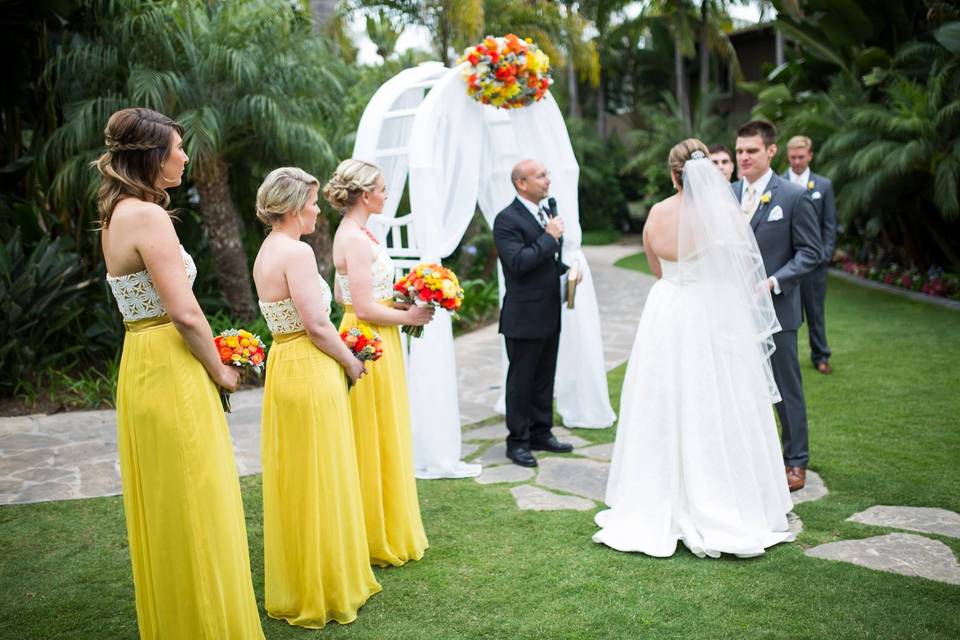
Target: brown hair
(138, 142)
(681, 153)
(761, 128)
(284, 190)
(720, 148)
(351, 179)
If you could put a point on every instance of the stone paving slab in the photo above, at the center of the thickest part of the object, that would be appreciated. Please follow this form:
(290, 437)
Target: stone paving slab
(602, 452)
(530, 498)
(814, 489)
(795, 523)
(922, 519)
(579, 476)
(496, 431)
(903, 553)
(504, 473)
(494, 454)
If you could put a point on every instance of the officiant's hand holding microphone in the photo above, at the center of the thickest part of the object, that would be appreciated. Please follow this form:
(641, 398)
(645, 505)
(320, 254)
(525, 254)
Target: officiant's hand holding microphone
(557, 231)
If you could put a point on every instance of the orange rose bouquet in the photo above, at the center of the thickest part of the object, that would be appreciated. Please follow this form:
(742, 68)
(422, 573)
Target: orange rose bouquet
(240, 348)
(364, 343)
(429, 283)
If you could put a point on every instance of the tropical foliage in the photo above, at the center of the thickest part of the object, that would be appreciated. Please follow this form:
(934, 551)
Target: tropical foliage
(877, 86)
(250, 86)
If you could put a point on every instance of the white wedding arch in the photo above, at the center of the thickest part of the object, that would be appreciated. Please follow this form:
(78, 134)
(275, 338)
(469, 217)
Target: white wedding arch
(421, 127)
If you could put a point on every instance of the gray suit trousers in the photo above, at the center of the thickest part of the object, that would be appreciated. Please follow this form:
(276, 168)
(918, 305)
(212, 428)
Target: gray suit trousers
(792, 409)
(813, 294)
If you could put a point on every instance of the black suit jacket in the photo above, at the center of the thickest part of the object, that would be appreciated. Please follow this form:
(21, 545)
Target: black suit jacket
(531, 304)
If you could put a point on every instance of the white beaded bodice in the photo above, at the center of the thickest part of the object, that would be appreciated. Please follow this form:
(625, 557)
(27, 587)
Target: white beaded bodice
(381, 277)
(282, 315)
(136, 295)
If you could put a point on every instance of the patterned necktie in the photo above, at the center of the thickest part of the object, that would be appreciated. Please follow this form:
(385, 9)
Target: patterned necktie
(542, 216)
(749, 202)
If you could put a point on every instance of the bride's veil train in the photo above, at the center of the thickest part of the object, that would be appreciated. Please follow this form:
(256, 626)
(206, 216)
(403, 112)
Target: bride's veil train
(716, 248)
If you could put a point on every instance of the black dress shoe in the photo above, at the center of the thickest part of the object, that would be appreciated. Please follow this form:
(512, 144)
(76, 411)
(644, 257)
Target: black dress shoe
(552, 445)
(522, 457)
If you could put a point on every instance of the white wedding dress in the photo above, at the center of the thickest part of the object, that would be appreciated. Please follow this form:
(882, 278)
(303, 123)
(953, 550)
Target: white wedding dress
(697, 458)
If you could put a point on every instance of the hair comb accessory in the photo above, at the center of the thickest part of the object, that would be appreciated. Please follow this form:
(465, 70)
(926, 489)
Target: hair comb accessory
(697, 155)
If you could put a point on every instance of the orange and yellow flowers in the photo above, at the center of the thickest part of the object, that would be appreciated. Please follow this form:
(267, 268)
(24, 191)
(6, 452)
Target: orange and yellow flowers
(506, 72)
(240, 348)
(429, 283)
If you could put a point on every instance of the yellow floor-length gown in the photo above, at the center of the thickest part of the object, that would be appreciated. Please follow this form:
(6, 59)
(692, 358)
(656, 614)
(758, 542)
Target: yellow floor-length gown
(316, 566)
(181, 495)
(381, 424)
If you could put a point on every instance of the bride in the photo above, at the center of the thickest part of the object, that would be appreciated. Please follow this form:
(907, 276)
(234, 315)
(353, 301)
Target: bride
(697, 457)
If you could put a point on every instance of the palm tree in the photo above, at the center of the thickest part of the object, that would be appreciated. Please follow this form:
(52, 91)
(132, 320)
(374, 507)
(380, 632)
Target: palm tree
(898, 160)
(453, 24)
(246, 79)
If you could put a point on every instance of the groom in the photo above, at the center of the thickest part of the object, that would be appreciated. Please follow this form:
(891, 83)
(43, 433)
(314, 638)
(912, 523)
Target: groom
(529, 237)
(784, 221)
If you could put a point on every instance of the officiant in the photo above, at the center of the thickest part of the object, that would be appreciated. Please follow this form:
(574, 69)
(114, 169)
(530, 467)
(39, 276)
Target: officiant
(529, 238)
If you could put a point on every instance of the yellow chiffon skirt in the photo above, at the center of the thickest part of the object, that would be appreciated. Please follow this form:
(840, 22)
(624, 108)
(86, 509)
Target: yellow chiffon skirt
(316, 567)
(381, 425)
(181, 495)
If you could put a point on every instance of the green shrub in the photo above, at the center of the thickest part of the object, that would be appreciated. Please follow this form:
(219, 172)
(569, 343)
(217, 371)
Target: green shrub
(41, 295)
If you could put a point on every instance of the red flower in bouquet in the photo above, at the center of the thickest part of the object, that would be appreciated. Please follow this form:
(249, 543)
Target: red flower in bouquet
(433, 284)
(364, 343)
(240, 348)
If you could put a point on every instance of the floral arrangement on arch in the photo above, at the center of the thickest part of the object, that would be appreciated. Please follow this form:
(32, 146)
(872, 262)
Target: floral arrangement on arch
(506, 72)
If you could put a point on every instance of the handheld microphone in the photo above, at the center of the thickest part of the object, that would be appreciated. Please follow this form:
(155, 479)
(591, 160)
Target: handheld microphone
(552, 207)
(552, 213)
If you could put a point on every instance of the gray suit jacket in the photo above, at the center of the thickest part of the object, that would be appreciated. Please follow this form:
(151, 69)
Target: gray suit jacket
(822, 195)
(789, 243)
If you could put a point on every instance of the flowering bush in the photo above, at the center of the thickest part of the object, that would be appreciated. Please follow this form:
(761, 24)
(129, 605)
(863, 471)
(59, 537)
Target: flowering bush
(506, 72)
(935, 282)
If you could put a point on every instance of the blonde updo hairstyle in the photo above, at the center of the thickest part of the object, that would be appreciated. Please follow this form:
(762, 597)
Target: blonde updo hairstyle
(352, 179)
(681, 153)
(138, 142)
(283, 191)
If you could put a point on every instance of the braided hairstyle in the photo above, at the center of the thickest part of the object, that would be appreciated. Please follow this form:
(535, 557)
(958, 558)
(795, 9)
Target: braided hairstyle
(138, 142)
(351, 179)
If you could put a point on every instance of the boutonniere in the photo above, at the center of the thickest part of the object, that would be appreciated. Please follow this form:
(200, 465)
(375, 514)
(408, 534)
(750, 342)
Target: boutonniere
(810, 185)
(765, 198)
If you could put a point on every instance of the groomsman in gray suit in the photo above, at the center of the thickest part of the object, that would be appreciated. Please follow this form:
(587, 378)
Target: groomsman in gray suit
(784, 221)
(813, 288)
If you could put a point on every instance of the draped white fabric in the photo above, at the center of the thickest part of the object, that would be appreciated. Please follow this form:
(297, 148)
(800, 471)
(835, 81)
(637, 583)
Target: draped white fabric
(458, 154)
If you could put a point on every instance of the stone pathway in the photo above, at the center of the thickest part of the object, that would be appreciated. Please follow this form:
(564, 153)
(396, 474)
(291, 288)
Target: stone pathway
(74, 455)
(904, 553)
(578, 480)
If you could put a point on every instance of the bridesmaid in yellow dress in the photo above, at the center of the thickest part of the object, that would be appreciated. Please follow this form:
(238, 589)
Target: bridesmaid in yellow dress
(381, 414)
(181, 496)
(316, 567)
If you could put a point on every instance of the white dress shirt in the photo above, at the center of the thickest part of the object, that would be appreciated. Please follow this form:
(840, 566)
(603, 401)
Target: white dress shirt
(801, 179)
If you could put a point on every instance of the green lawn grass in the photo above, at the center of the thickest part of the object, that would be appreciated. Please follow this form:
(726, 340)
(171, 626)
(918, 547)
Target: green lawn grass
(884, 430)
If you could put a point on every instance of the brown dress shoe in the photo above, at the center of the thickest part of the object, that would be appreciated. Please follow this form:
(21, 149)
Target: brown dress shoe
(796, 478)
(824, 368)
